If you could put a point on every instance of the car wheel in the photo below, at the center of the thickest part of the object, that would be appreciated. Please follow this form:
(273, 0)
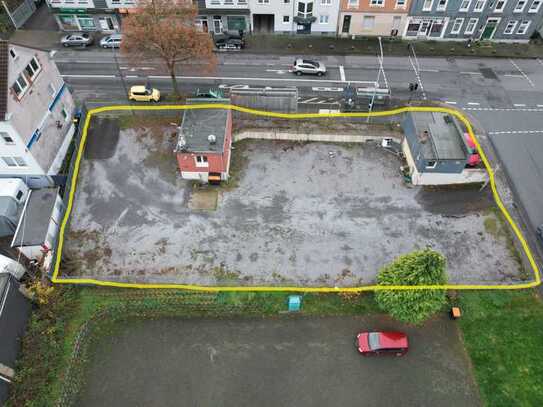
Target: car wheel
(104, 46)
(298, 73)
(319, 73)
(66, 44)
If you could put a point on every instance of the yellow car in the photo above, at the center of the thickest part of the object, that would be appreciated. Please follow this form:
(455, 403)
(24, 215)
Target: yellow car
(144, 94)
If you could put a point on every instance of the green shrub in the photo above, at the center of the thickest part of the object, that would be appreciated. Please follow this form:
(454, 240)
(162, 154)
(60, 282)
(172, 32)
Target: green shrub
(424, 267)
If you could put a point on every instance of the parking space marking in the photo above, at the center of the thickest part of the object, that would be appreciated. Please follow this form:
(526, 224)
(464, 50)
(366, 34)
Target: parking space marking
(56, 278)
(522, 73)
(342, 73)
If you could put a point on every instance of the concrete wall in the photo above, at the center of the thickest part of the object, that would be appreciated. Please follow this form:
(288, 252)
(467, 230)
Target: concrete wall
(301, 136)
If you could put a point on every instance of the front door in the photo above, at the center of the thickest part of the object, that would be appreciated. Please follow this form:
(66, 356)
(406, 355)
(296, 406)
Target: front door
(106, 24)
(424, 28)
(346, 24)
(490, 28)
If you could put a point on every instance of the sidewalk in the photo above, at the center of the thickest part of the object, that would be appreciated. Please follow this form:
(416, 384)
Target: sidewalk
(43, 39)
(296, 45)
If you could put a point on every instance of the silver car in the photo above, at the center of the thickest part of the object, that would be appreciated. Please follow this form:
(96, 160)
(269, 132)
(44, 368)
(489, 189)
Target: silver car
(77, 40)
(306, 66)
(111, 41)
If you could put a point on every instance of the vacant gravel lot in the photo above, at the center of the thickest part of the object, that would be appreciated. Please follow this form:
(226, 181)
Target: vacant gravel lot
(312, 214)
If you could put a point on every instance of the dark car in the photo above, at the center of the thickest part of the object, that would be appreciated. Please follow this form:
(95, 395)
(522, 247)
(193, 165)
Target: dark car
(228, 40)
(539, 231)
(382, 343)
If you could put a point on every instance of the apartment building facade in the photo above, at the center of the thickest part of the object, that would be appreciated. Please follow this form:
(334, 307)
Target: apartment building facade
(216, 16)
(90, 15)
(373, 17)
(36, 111)
(461, 20)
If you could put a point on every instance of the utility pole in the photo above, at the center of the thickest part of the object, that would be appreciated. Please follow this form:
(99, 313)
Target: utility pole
(121, 77)
(380, 59)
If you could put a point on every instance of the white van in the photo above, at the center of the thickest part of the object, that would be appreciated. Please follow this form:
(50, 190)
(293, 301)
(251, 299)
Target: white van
(111, 41)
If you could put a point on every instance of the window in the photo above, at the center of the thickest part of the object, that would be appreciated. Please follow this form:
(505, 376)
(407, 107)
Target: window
(7, 138)
(326, 2)
(12, 53)
(20, 161)
(431, 164)
(215, 2)
(286, 19)
(263, 1)
(20, 86)
(519, 8)
(368, 22)
(470, 27)
(229, 2)
(305, 9)
(500, 5)
(242, 1)
(457, 26)
(441, 5)
(353, 3)
(33, 68)
(427, 5)
(323, 19)
(523, 27)
(201, 161)
(510, 27)
(534, 8)
(64, 113)
(285, 1)
(400, 3)
(19, 195)
(479, 5)
(377, 3)
(464, 6)
(14, 161)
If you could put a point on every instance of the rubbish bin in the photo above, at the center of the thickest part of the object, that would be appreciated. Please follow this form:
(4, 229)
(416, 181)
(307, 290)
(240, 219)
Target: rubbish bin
(294, 303)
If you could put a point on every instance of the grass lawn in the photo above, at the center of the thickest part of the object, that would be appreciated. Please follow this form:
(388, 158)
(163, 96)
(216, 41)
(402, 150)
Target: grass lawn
(503, 334)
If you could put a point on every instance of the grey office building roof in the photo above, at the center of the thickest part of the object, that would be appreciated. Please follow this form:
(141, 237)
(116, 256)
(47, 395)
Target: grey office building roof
(445, 138)
(34, 222)
(202, 131)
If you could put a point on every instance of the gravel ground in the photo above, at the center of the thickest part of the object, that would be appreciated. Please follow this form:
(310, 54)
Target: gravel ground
(311, 214)
(276, 362)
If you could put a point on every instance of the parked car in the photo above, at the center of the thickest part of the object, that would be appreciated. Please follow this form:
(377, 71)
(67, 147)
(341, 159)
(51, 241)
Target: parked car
(144, 94)
(229, 40)
(77, 40)
(111, 41)
(382, 343)
(306, 66)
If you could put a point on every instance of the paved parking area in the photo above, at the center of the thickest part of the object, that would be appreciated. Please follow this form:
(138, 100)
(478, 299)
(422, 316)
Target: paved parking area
(303, 214)
(276, 362)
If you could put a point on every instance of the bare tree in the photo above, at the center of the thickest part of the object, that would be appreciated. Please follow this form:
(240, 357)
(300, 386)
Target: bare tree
(166, 29)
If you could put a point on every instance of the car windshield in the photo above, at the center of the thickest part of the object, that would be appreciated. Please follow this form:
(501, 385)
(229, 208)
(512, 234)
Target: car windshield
(85, 35)
(373, 341)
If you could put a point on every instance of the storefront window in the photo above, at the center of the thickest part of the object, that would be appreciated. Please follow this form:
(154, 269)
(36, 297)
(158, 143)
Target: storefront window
(68, 22)
(236, 23)
(86, 22)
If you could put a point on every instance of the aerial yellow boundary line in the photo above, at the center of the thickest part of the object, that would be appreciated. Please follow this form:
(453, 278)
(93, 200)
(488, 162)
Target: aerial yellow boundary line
(88, 281)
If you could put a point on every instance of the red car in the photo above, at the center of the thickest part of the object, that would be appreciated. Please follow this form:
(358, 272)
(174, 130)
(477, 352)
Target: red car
(377, 343)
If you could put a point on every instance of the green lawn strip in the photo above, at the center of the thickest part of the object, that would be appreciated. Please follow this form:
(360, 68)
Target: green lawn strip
(48, 345)
(503, 334)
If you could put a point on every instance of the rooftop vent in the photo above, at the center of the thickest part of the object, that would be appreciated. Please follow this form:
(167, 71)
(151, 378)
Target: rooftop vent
(212, 139)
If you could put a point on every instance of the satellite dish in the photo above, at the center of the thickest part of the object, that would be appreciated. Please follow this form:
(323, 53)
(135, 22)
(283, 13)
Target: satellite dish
(212, 139)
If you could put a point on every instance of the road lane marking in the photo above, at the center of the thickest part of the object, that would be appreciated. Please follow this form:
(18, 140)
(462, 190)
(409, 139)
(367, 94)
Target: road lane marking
(473, 103)
(342, 73)
(516, 132)
(131, 76)
(519, 104)
(471, 73)
(326, 89)
(278, 71)
(227, 78)
(450, 102)
(522, 73)
(429, 70)
(513, 75)
(88, 76)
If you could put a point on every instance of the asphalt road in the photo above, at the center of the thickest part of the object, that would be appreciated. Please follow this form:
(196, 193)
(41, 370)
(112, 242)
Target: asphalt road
(505, 96)
(275, 362)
